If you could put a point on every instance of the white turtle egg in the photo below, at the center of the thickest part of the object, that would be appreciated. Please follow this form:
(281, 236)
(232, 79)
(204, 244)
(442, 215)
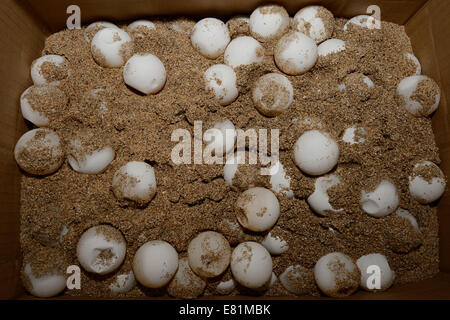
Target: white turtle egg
(381, 201)
(272, 94)
(330, 46)
(90, 162)
(269, 22)
(426, 190)
(94, 27)
(408, 216)
(140, 26)
(111, 47)
(123, 283)
(275, 244)
(419, 87)
(186, 284)
(221, 138)
(145, 73)
(48, 285)
(319, 199)
(314, 21)
(367, 264)
(415, 61)
(210, 37)
(40, 77)
(280, 181)
(221, 79)
(243, 51)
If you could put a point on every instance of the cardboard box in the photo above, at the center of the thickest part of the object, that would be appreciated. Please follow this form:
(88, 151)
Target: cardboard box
(24, 25)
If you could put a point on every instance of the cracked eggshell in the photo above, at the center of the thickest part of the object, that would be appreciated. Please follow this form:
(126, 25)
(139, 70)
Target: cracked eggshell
(275, 244)
(111, 47)
(155, 263)
(280, 181)
(101, 249)
(221, 79)
(243, 51)
(381, 201)
(251, 265)
(123, 283)
(337, 275)
(316, 22)
(209, 254)
(90, 163)
(426, 190)
(145, 73)
(269, 22)
(315, 152)
(408, 90)
(257, 209)
(221, 138)
(186, 284)
(386, 273)
(330, 46)
(57, 61)
(210, 37)
(319, 200)
(272, 94)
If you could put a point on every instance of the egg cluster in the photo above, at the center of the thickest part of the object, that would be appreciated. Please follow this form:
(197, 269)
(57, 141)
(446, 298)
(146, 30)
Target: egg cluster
(156, 264)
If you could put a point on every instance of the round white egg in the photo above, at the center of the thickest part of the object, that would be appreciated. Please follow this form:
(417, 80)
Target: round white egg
(243, 51)
(381, 201)
(136, 182)
(315, 152)
(36, 68)
(372, 261)
(97, 26)
(251, 265)
(269, 22)
(275, 244)
(221, 138)
(423, 190)
(111, 47)
(406, 90)
(319, 199)
(186, 284)
(124, 282)
(280, 181)
(101, 249)
(272, 94)
(145, 73)
(330, 46)
(314, 21)
(209, 254)
(295, 53)
(46, 286)
(155, 263)
(257, 209)
(221, 79)
(210, 37)
(91, 163)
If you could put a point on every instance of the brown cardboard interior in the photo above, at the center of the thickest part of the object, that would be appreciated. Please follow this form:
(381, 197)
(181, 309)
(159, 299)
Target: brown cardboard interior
(24, 24)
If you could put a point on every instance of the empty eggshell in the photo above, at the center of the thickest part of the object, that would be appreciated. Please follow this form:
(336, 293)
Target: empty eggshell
(362, 21)
(135, 182)
(337, 275)
(186, 284)
(272, 94)
(269, 22)
(123, 282)
(38, 102)
(275, 244)
(408, 216)
(354, 135)
(330, 46)
(221, 79)
(297, 279)
(243, 51)
(210, 37)
(111, 47)
(95, 27)
(251, 265)
(257, 209)
(221, 138)
(155, 263)
(295, 53)
(420, 95)
(101, 249)
(49, 69)
(241, 170)
(226, 287)
(314, 21)
(39, 152)
(386, 274)
(427, 182)
(381, 201)
(319, 200)
(280, 181)
(145, 73)
(415, 62)
(315, 152)
(209, 254)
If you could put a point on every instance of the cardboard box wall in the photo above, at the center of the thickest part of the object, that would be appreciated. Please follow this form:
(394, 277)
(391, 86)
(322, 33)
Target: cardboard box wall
(24, 25)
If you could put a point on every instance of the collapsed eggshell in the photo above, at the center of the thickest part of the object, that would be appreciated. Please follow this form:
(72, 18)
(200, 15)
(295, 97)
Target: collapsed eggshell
(46, 286)
(138, 27)
(315, 152)
(362, 21)
(209, 254)
(386, 274)
(381, 201)
(297, 279)
(221, 79)
(420, 95)
(275, 244)
(337, 275)
(408, 216)
(101, 249)
(243, 51)
(186, 284)
(240, 170)
(268, 22)
(155, 263)
(210, 37)
(123, 282)
(56, 61)
(429, 189)
(111, 47)
(145, 73)
(319, 199)
(272, 94)
(83, 161)
(221, 138)
(280, 181)
(330, 46)
(251, 265)
(225, 287)
(257, 209)
(316, 22)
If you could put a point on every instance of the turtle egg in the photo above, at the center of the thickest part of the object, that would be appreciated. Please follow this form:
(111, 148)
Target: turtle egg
(381, 201)
(136, 182)
(210, 37)
(83, 160)
(123, 283)
(295, 53)
(49, 284)
(354, 135)
(330, 46)
(319, 200)
(39, 152)
(420, 95)
(243, 51)
(155, 263)
(257, 209)
(337, 275)
(402, 213)
(95, 27)
(209, 254)
(145, 73)
(412, 58)
(280, 181)
(111, 47)
(49, 69)
(101, 249)
(251, 265)
(141, 27)
(269, 22)
(315, 152)
(221, 138)
(314, 21)
(221, 79)
(373, 260)
(362, 21)
(226, 287)
(239, 173)
(275, 244)
(186, 284)
(272, 94)
(297, 279)
(427, 182)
